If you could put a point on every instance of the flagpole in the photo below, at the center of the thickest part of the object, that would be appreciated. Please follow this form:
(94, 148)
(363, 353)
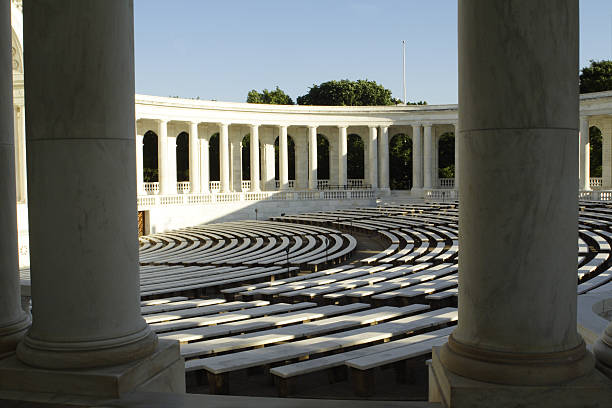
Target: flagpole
(404, 67)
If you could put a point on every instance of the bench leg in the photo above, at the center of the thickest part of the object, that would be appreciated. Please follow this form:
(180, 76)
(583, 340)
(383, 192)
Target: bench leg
(363, 382)
(285, 386)
(218, 384)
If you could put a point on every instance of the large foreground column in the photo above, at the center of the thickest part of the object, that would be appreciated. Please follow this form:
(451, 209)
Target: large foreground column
(82, 186)
(417, 157)
(194, 163)
(224, 157)
(13, 320)
(312, 157)
(373, 156)
(428, 157)
(255, 179)
(283, 158)
(518, 216)
(342, 155)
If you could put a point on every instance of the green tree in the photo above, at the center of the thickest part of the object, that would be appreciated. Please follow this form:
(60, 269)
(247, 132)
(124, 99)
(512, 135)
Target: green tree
(275, 97)
(355, 159)
(597, 77)
(400, 162)
(595, 151)
(446, 158)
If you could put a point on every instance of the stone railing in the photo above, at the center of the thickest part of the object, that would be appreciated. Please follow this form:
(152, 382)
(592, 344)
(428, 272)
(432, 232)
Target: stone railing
(245, 185)
(596, 183)
(186, 199)
(290, 184)
(322, 184)
(151, 188)
(597, 195)
(214, 185)
(355, 183)
(441, 195)
(183, 187)
(446, 183)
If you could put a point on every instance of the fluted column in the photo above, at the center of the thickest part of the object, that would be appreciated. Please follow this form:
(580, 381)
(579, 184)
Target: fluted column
(342, 155)
(162, 157)
(457, 144)
(224, 157)
(255, 179)
(417, 157)
(140, 190)
(428, 157)
(383, 158)
(82, 186)
(194, 162)
(518, 230)
(13, 320)
(283, 158)
(204, 165)
(312, 157)
(585, 154)
(373, 159)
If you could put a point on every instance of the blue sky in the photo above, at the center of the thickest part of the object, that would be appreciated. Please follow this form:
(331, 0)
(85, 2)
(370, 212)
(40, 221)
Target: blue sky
(222, 49)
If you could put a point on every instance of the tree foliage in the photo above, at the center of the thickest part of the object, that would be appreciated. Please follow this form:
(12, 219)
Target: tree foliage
(400, 162)
(597, 77)
(595, 151)
(275, 97)
(348, 93)
(355, 152)
(446, 155)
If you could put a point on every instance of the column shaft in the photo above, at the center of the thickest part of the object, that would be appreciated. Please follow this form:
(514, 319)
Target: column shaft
(13, 320)
(162, 157)
(194, 162)
(428, 158)
(312, 157)
(383, 157)
(283, 157)
(82, 186)
(417, 157)
(224, 157)
(255, 179)
(584, 152)
(342, 155)
(140, 190)
(204, 165)
(20, 155)
(513, 242)
(373, 150)
(171, 171)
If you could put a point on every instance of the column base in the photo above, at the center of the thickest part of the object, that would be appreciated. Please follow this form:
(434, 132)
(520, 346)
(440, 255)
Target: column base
(92, 354)
(12, 334)
(162, 371)
(602, 349)
(454, 391)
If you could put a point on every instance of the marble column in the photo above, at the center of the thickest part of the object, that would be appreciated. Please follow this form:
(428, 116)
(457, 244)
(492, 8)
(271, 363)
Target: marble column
(342, 155)
(417, 157)
(255, 179)
(204, 165)
(171, 173)
(283, 158)
(82, 186)
(312, 157)
(428, 157)
(373, 159)
(20, 154)
(605, 126)
(140, 190)
(224, 157)
(383, 158)
(585, 154)
(456, 131)
(13, 320)
(517, 281)
(194, 162)
(162, 157)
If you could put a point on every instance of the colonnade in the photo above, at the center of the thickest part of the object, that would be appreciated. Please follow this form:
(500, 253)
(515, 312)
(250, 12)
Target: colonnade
(376, 140)
(604, 124)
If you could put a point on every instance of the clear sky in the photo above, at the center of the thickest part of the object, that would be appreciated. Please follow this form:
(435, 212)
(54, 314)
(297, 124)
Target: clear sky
(222, 49)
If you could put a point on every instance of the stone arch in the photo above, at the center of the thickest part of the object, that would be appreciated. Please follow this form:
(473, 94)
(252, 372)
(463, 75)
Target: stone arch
(182, 157)
(150, 162)
(400, 162)
(291, 158)
(213, 158)
(323, 164)
(355, 167)
(595, 151)
(446, 155)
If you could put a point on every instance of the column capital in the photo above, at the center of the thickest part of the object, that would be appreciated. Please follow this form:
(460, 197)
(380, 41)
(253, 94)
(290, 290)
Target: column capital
(428, 124)
(161, 121)
(254, 125)
(283, 126)
(373, 126)
(312, 127)
(416, 125)
(343, 126)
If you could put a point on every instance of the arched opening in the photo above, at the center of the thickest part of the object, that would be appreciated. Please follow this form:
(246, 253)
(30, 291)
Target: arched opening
(149, 158)
(595, 153)
(291, 158)
(400, 162)
(246, 157)
(213, 158)
(355, 157)
(322, 157)
(446, 159)
(182, 157)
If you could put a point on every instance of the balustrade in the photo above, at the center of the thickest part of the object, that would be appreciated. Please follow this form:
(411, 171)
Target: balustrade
(214, 185)
(446, 183)
(183, 187)
(290, 184)
(595, 183)
(355, 183)
(151, 188)
(245, 185)
(322, 184)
